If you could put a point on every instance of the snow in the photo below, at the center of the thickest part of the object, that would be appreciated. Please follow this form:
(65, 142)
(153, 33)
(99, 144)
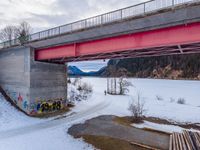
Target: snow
(149, 89)
(11, 118)
(20, 132)
(160, 127)
(47, 139)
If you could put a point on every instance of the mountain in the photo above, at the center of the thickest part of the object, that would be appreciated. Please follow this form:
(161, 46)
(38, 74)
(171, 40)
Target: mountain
(75, 71)
(163, 67)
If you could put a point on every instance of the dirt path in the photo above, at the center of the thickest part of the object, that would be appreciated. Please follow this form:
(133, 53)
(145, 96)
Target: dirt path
(105, 126)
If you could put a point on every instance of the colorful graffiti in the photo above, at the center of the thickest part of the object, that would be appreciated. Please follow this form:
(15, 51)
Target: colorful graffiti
(22, 103)
(46, 106)
(18, 100)
(39, 106)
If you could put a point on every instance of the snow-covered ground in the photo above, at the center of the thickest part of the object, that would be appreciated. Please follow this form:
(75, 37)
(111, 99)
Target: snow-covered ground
(11, 118)
(20, 132)
(161, 127)
(168, 90)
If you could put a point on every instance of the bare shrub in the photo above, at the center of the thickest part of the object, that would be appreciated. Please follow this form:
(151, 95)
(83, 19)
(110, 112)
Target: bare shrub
(76, 82)
(181, 101)
(69, 81)
(87, 88)
(159, 98)
(79, 90)
(73, 94)
(124, 86)
(137, 109)
(172, 100)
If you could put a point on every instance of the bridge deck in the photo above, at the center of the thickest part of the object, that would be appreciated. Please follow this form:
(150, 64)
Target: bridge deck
(137, 18)
(160, 27)
(163, 18)
(183, 39)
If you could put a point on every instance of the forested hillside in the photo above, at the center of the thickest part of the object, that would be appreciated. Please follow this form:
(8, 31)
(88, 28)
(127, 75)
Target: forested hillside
(171, 67)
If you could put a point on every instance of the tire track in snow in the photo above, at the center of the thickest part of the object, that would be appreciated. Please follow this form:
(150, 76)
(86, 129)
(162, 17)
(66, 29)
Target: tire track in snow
(53, 123)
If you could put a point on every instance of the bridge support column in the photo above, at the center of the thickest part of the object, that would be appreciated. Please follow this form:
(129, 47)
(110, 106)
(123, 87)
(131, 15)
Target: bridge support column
(48, 87)
(37, 88)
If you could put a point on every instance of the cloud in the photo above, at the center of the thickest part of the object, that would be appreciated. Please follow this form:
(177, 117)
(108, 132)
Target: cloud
(90, 65)
(44, 14)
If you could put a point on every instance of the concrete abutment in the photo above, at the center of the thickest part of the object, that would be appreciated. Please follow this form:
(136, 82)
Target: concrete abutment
(37, 88)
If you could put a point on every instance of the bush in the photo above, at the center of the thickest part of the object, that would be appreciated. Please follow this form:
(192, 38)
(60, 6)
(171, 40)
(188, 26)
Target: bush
(137, 109)
(76, 82)
(172, 100)
(87, 88)
(181, 101)
(73, 94)
(79, 91)
(159, 98)
(124, 85)
(69, 81)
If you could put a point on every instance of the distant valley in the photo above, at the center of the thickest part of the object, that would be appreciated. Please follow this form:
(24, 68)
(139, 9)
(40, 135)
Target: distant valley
(75, 71)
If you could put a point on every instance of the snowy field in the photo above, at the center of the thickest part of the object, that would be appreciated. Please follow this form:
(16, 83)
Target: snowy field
(19, 132)
(168, 90)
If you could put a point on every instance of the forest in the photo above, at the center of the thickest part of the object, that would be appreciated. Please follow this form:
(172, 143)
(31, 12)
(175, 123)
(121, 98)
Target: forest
(163, 67)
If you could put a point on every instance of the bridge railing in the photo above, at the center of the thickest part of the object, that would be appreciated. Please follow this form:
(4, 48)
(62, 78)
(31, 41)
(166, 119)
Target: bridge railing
(118, 15)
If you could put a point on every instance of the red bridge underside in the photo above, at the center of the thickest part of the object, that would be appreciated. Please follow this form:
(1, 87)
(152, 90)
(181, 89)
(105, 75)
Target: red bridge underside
(184, 39)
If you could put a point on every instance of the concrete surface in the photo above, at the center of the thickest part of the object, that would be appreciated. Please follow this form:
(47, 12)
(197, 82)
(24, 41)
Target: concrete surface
(35, 87)
(15, 75)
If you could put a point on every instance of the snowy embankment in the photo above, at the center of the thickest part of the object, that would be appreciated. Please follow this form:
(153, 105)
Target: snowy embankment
(51, 136)
(11, 118)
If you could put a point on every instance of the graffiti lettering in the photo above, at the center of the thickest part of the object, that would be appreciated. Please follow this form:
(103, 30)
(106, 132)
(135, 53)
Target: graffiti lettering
(47, 106)
(39, 106)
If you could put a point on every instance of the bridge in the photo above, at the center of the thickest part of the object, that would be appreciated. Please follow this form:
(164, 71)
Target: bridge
(34, 74)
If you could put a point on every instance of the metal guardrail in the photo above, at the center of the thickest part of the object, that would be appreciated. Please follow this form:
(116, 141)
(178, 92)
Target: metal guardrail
(118, 15)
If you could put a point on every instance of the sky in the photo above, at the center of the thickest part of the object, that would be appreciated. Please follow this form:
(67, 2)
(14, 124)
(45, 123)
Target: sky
(44, 14)
(88, 66)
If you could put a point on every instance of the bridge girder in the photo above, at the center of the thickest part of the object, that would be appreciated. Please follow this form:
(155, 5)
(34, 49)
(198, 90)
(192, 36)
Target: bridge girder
(182, 39)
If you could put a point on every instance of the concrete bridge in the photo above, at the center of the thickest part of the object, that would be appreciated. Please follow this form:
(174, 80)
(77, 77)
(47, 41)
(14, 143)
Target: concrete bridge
(34, 74)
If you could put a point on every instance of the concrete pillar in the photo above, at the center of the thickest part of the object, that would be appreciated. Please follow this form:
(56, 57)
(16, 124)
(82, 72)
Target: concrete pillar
(15, 75)
(36, 87)
(48, 87)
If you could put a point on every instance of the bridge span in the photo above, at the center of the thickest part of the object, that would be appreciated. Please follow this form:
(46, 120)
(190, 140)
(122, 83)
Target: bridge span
(182, 39)
(33, 73)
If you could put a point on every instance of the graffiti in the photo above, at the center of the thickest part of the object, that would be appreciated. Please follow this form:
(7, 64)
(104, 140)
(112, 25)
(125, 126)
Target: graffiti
(25, 105)
(18, 99)
(39, 106)
(47, 106)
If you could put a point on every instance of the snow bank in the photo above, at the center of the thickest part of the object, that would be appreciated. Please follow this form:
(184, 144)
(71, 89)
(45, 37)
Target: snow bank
(46, 139)
(160, 127)
(11, 118)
